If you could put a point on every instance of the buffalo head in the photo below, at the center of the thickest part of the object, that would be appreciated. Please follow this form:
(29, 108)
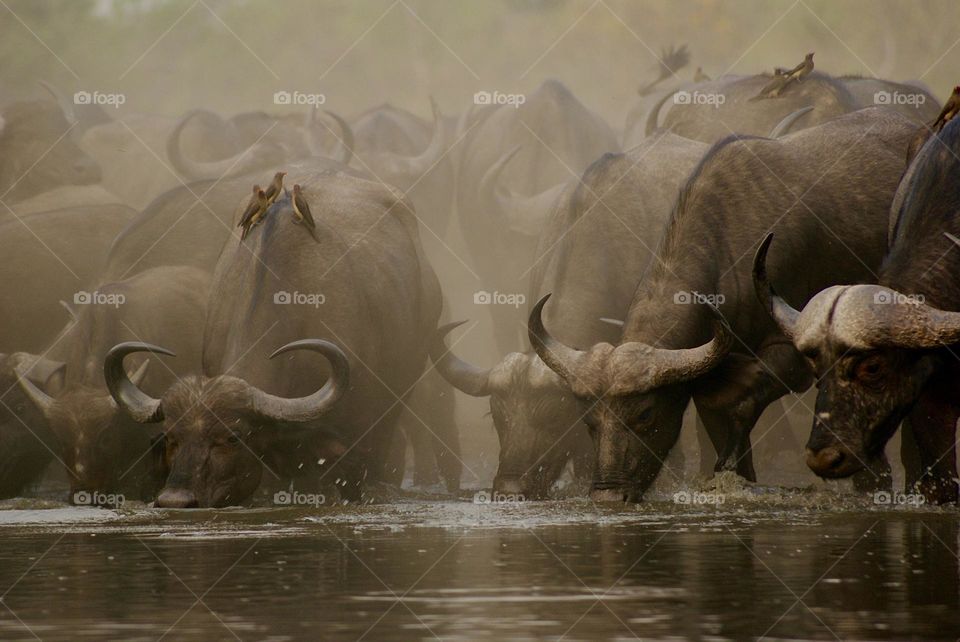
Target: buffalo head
(96, 442)
(40, 152)
(217, 429)
(873, 350)
(536, 416)
(636, 399)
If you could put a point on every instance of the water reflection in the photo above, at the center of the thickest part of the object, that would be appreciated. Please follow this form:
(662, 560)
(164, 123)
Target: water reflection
(456, 571)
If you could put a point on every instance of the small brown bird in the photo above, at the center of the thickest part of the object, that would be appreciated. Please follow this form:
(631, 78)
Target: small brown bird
(302, 212)
(273, 191)
(773, 88)
(252, 207)
(248, 222)
(950, 109)
(802, 70)
(699, 76)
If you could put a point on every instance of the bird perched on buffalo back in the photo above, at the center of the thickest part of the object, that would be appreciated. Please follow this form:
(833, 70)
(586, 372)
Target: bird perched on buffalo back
(255, 210)
(802, 70)
(301, 210)
(773, 88)
(273, 190)
(950, 109)
(253, 207)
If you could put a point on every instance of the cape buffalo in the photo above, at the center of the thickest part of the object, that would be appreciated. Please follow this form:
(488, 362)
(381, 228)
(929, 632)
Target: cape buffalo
(620, 205)
(886, 353)
(714, 109)
(833, 220)
(363, 283)
(103, 450)
(38, 151)
(49, 257)
(26, 444)
(512, 165)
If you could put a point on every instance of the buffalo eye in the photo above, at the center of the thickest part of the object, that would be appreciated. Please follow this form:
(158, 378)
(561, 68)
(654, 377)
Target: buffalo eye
(233, 439)
(870, 370)
(645, 415)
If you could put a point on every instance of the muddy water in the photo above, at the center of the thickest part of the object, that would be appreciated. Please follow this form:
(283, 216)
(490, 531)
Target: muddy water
(766, 563)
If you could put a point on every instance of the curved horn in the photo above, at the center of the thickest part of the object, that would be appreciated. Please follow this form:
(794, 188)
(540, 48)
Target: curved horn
(193, 170)
(562, 359)
(463, 376)
(653, 117)
(65, 107)
(862, 319)
(344, 151)
(784, 125)
(40, 399)
(639, 367)
(525, 214)
(138, 404)
(312, 406)
(779, 310)
(419, 164)
(69, 308)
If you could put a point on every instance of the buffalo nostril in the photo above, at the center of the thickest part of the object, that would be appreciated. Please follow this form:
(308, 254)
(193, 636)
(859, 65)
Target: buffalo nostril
(177, 498)
(617, 495)
(508, 486)
(825, 459)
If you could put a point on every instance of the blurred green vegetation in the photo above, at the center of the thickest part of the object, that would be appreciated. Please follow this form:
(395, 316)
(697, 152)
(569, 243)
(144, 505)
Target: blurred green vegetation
(231, 55)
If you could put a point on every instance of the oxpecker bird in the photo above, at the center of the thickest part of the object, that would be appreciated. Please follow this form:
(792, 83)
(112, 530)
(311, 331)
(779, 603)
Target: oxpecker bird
(802, 70)
(252, 207)
(773, 88)
(256, 214)
(699, 76)
(950, 109)
(302, 211)
(273, 191)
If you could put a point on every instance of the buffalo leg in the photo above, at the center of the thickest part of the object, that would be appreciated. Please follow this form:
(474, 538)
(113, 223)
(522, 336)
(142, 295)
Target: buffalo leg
(733, 399)
(934, 420)
(909, 455)
(877, 475)
(710, 447)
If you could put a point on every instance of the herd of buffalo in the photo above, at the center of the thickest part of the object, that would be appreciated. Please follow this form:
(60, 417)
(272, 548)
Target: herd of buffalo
(167, 336)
